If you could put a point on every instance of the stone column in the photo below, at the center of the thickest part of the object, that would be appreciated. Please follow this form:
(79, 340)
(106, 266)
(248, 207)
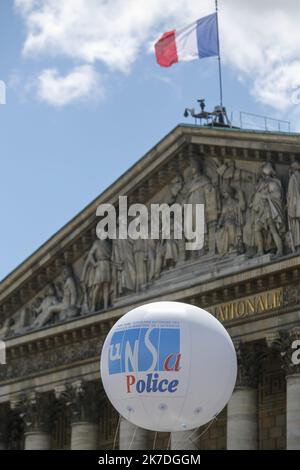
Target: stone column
(290, 343)
(35, 410)
(293, 412)
(134, 438)
(3, 427)
(38, 440)
(84, 436)
(242, 409)
(83, 400)
(15, 426)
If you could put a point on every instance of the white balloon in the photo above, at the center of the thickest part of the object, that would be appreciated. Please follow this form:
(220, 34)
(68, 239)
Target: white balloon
(168, 366)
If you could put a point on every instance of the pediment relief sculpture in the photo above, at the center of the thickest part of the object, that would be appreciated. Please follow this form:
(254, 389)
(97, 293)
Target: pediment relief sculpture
(251, 208)
(96, 277)
(293, 207)
(59, 307)
(60, 301)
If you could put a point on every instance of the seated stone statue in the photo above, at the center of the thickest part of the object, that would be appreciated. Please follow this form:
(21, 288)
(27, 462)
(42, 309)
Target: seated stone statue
(15, 324)
(53, 309)
(6, 327)
(42, 310)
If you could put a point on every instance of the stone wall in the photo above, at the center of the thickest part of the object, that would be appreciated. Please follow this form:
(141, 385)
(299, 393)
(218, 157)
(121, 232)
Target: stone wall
(272, 407)
(215, 437)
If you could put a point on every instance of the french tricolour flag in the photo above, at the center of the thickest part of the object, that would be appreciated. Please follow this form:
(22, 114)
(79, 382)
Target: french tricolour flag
(196, 41)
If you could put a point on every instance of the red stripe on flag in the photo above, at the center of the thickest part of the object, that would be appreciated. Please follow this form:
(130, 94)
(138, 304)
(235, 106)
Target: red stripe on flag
(165, 50)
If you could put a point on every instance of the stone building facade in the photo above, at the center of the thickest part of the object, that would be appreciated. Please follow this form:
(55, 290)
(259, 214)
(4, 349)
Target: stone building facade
(57, 307)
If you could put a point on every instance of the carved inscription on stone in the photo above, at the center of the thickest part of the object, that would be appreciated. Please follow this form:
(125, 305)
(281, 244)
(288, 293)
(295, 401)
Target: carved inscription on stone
(248, 306)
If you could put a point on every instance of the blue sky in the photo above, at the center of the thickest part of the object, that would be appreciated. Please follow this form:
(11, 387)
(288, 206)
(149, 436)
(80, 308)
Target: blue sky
(84, 103)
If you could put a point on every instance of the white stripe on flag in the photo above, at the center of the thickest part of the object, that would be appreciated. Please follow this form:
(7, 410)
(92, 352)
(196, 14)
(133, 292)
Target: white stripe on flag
(186, 42)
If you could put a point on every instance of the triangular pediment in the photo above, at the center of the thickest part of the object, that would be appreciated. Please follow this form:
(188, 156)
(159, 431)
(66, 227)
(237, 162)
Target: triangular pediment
(247, 182)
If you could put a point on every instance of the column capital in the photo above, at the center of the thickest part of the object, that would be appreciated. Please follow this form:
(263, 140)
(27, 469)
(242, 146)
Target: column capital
(35, 409)
(82, 399)
(273, 339)
(15, 402)
(249, 357)
(289, 343)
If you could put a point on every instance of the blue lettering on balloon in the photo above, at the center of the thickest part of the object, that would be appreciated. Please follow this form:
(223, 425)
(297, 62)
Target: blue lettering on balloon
(143, 349)
(140, 386)
(173, 386)
(160, 386)
(151, 384)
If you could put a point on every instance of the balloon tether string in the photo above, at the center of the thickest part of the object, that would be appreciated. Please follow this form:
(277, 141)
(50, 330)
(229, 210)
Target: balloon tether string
(116, 433)
(154, 442)
(203, 432)
(133, 436)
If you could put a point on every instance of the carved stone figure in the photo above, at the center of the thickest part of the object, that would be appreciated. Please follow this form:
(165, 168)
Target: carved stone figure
(5, 327)
(140, 259)
(167, 253)
(171, 251)
(229, 234)
(151, 258)
(42, 311)
(96, 276)
(234, 177)
(199, 190)
(16, 324)
(176, 187)
(159, 258)
(249, 231)
(268, 212)
(293, 206)
(124, 271)
(60, 310)
(178, 197)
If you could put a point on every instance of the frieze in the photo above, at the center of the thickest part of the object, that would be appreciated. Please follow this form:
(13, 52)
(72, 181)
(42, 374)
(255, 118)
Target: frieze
(291, 294)
(51, 359)
(248, 306)
(272, 300)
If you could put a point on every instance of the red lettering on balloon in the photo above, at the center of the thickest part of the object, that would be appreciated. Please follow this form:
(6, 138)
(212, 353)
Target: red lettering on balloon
(177, 363)
(130, 379)
(176, 366)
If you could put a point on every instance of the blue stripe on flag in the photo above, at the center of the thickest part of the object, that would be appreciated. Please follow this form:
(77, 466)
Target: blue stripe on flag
(207, 36)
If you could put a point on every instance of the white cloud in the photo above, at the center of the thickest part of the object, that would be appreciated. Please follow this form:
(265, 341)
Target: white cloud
(261, 42)
(25, 6)
(109, 31)
(259, 39)
(57, 90)
(280, 86)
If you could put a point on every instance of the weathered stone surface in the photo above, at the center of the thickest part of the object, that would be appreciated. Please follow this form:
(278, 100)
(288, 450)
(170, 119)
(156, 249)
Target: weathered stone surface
(293, 412)
(44, 361)
(134, 438)
(242, 419)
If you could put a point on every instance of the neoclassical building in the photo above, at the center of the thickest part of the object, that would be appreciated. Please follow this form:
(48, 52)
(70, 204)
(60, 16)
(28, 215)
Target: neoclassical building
(57, 306)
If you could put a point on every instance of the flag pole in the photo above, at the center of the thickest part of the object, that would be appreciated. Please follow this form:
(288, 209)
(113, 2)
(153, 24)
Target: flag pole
(219, 57)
